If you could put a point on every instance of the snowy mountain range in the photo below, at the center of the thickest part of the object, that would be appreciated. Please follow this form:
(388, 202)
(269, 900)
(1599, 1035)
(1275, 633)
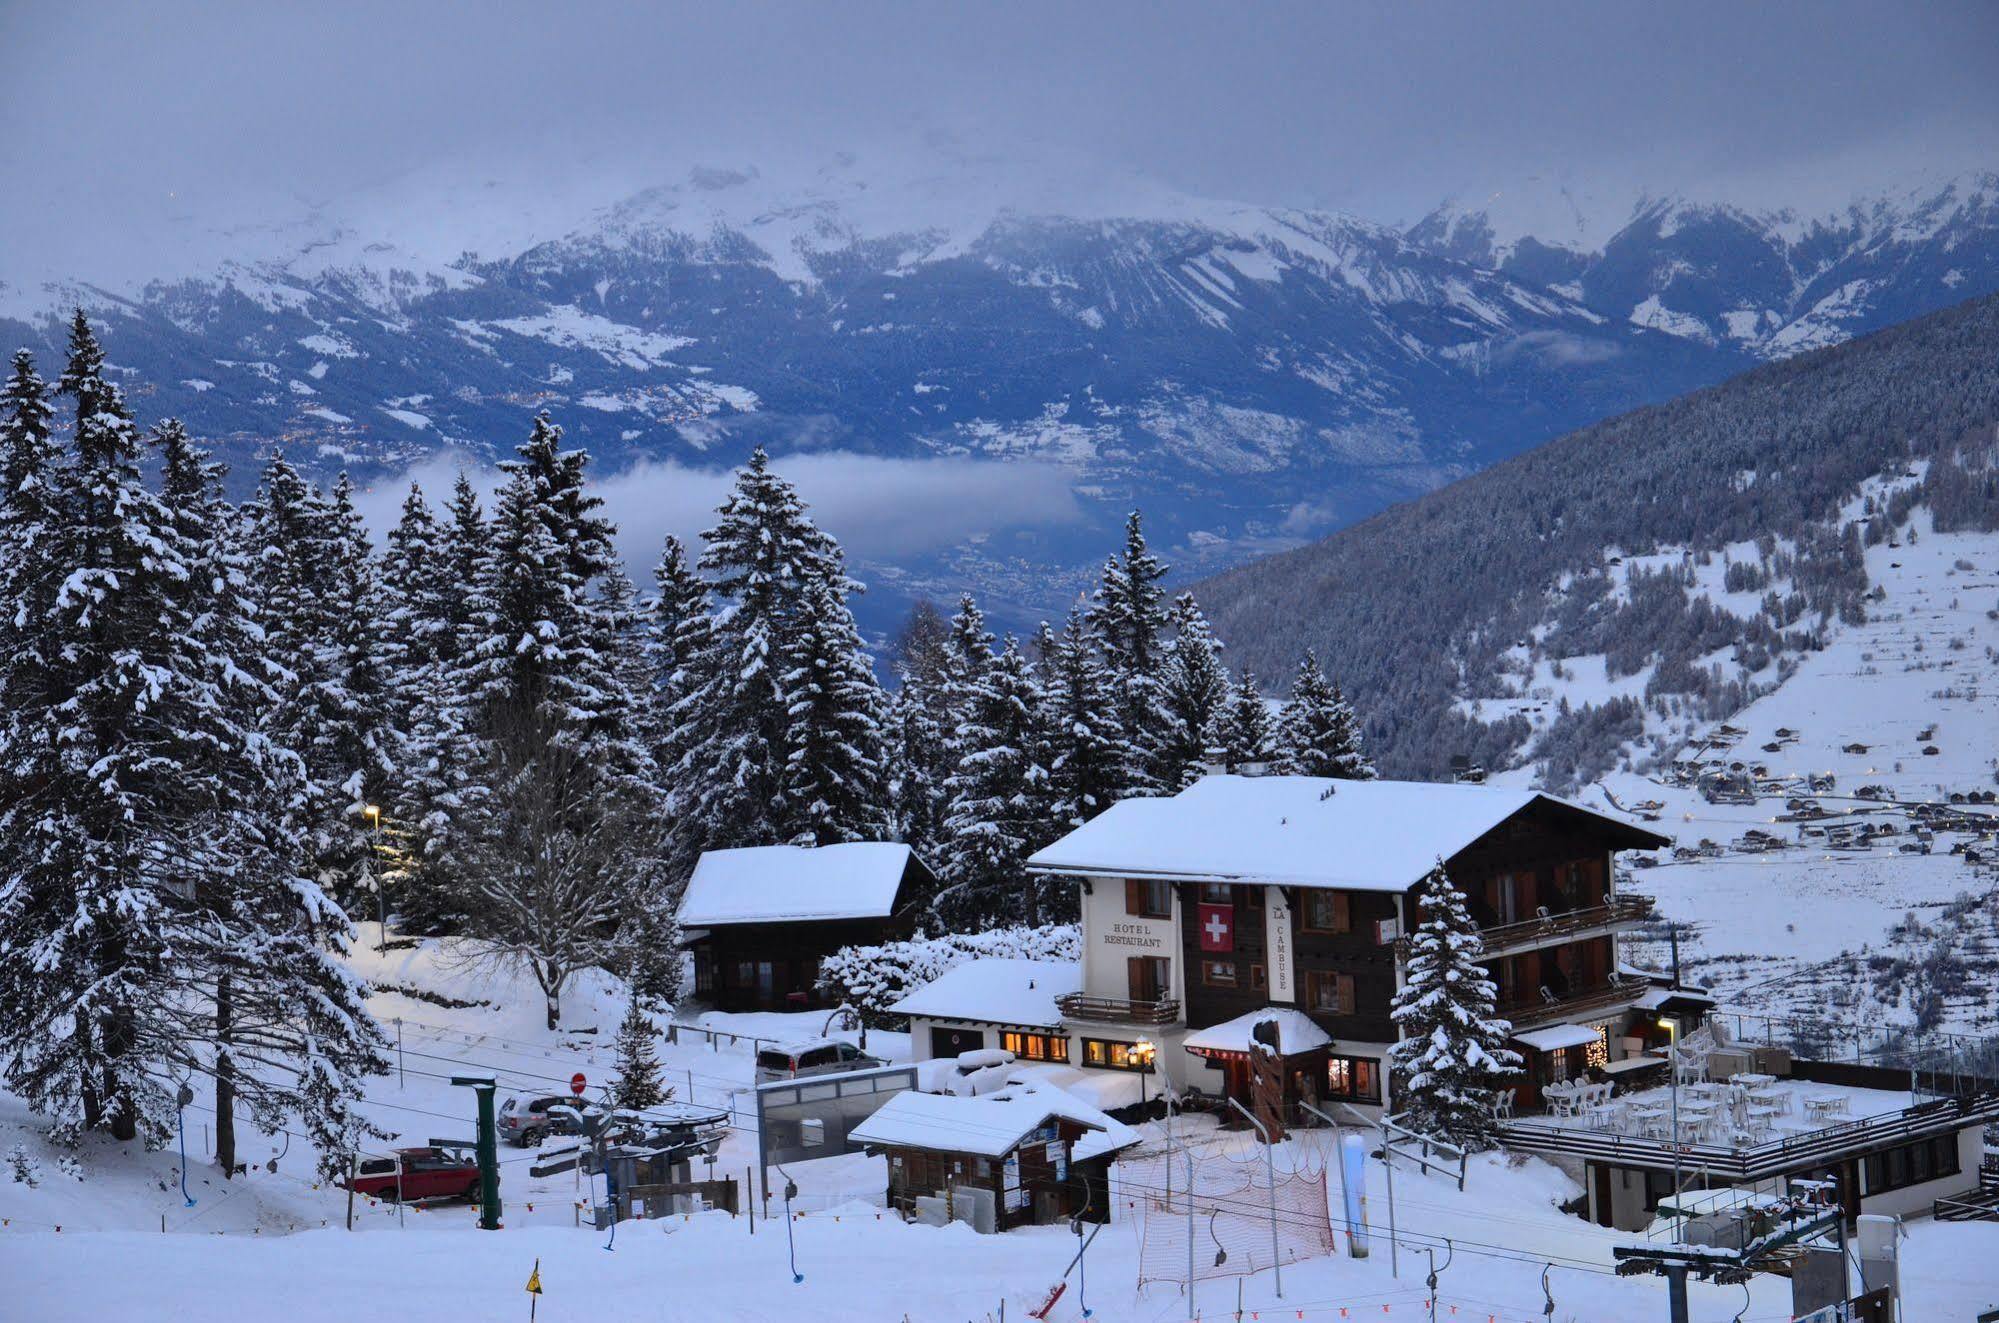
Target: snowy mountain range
(1251, 376)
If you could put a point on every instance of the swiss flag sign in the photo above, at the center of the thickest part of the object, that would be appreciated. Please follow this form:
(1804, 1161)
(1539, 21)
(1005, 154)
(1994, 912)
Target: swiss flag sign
(1217, 927)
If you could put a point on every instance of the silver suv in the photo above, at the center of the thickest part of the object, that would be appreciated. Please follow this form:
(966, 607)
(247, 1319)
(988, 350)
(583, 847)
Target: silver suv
(821, 1056)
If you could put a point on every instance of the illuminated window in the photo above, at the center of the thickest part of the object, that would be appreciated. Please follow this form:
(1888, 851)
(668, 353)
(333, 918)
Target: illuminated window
(1035, 1047)
(1356, 1079)
(1108, 1054)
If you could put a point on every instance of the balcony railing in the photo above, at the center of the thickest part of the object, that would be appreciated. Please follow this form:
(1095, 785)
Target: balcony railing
(1618, 992)
(1117, 1010)
(1541, 930)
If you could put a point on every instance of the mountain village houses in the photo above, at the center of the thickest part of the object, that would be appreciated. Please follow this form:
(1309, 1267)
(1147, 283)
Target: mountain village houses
(1274, 910)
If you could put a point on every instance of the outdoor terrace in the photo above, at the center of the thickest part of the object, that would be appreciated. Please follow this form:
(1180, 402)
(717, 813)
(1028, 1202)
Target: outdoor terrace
(1745, 1132)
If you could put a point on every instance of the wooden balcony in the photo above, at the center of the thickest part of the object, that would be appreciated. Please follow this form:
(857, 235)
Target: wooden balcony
(1618, 993)
(1554, 929)
(1117, 1010)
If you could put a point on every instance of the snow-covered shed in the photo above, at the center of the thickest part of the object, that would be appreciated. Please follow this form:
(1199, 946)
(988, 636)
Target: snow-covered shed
(1026, 1155)
(759, 919)
(993, 1003)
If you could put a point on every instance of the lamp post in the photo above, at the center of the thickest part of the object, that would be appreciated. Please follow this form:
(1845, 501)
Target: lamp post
(1144, 1053)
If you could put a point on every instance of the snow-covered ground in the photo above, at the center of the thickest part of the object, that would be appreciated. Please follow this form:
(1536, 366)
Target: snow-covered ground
(273, 1244)
(859, 1263)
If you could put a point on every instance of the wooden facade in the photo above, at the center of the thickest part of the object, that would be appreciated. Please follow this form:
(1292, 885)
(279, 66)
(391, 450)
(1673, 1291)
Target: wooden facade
(1522, 879)
(1033, 1184)
(775, 966)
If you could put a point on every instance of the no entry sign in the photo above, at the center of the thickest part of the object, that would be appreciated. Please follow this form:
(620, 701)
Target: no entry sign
(576, 1083)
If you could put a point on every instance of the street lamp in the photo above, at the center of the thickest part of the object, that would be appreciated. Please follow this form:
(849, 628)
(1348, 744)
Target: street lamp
(1143, 1052)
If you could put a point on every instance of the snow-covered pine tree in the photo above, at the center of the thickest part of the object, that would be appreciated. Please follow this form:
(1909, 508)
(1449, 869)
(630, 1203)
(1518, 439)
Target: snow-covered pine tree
(916, 770)
(1090, 759)
(834, 786)
(1001, 803)
(355, 745)
(920, 724)
(1194, 686)
(104, 770)
(440, 752)
(1317, 733)
(29, 572)
(636, 1087)
(1129, 615)
(1243, 729)
(1452, 1057)
(676, 638)
(256, 960)
(415, 610)
(730, 727)
(554, 821)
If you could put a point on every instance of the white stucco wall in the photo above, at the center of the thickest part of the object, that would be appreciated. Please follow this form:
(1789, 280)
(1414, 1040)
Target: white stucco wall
(1110, 937)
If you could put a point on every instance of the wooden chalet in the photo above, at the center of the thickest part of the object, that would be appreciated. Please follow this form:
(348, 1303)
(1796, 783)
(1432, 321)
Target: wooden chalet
(759, 920)
(1027, 1155)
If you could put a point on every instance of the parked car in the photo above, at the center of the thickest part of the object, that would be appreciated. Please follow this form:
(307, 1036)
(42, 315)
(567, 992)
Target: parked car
(820, 1056)
(526, 1122)
(418, 1173)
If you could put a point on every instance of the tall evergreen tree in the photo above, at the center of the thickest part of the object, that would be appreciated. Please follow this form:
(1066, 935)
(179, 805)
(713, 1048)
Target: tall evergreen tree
(1090, 758)
(354, 750)
(554, 816)
(439, 755)
(732, 726)
(834, 786)
(255, 958)
(1129, 615)
(1243, 732)
(416, 613)
(1452, 1057)
(1317, 733)
(30, 573)
(105, 772)
(1194, 689)
(1002, 805)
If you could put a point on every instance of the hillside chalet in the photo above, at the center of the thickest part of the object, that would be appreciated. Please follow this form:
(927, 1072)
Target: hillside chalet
(1242, 894)
(759, 920)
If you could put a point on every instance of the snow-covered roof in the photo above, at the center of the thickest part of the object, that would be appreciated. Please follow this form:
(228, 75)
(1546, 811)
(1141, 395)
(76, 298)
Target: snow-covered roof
(1659, 998)
(997, 991)
(774, 883)
(1300, 831)
(990, 1126)
(1556, 1037)
(1295, 1032)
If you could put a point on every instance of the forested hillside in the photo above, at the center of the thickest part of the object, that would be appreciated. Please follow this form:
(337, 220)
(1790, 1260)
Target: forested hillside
(1443, 600)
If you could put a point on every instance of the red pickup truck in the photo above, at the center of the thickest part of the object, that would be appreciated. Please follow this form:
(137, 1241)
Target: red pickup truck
(417, 1173)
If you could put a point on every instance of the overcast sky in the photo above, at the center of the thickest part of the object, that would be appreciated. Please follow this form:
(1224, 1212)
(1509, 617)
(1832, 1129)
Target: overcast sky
(1381, 109)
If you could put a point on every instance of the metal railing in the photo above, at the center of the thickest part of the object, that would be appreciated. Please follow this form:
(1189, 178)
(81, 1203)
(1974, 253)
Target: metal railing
(1625, 907)
(1619, 991)
(1118, 1010)
(1771, 1158)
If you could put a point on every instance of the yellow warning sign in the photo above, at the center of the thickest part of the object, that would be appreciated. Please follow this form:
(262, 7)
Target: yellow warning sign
(534, 1279)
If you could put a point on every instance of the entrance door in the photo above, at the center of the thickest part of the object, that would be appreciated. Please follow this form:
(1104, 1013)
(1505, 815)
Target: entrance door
(951, 1042)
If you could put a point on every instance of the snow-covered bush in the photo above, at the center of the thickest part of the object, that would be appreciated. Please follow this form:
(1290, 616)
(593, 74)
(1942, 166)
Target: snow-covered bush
(24, 1166)
(872, 978)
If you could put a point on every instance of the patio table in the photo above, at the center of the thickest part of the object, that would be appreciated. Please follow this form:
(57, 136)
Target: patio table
(1820, 1106)
(1752, 1079)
